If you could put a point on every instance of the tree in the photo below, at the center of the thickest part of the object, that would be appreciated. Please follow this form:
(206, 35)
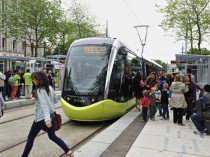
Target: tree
(32, 20)
(195, 51)
(76, 23)
(189, 19)
(163, 64)
(85, 25)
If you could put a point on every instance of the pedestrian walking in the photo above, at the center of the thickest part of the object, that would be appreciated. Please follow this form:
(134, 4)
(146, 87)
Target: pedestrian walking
(45, 99)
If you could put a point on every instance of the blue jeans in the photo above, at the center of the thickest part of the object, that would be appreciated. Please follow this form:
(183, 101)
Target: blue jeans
(165, 111)
(35, 129)
(144, 113)
(198, 122)
(159, 106)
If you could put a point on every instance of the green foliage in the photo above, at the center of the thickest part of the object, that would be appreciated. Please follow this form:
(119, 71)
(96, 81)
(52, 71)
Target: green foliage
(188, 19)
(77, 23)
(35, 20)
(163, 64)
(85, 24)
(195, 51)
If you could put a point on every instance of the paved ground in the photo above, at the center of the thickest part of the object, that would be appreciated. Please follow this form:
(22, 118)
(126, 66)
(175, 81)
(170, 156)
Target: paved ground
(159, 138)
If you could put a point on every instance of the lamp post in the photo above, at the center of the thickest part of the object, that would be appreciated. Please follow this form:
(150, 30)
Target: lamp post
(143, 43)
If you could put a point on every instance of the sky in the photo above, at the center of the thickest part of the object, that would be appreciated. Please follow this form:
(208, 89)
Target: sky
(123, 15)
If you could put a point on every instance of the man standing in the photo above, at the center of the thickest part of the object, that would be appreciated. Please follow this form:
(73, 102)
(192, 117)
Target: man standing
(28, 84)
(2, 87)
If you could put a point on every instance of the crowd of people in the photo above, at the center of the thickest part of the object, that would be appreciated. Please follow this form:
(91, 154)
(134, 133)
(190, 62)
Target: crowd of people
(41, 84)
(16, 84)
(160, 92)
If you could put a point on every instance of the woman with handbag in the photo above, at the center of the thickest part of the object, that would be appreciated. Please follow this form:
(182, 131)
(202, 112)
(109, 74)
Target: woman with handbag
(45, 99)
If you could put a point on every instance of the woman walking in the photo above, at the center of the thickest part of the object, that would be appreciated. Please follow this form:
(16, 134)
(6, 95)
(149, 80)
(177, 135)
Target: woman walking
(45, 99)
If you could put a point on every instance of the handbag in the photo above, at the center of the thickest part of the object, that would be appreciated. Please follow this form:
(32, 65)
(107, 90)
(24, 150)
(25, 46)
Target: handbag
(57, 122)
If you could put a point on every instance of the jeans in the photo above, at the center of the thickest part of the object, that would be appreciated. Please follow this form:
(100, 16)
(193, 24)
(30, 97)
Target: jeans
(159, 106)
(35, 129)
(152, 110)
(165, 111)
(198, 122)
(144, 113)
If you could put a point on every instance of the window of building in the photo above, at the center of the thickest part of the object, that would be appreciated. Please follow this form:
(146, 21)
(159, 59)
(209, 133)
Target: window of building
(4, 44)
(14, 45)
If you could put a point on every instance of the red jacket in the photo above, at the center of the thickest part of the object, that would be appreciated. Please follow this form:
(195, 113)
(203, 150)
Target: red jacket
(145, 101)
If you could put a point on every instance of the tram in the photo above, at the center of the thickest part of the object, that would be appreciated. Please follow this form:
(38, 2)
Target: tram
(94, 80)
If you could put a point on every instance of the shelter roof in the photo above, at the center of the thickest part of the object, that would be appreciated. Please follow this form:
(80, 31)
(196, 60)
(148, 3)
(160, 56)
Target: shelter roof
(56, 56)
(27, 59)
(190, 57)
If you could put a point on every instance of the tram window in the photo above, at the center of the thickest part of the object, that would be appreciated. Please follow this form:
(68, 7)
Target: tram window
(85, 72)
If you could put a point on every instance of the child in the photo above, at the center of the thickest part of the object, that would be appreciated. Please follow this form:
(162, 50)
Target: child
(145, 104)
(152, 101)
(1, 104)
(158, 104)
(164, 101)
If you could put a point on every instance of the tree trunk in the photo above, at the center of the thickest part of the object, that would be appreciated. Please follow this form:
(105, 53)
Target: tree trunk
(199, 36)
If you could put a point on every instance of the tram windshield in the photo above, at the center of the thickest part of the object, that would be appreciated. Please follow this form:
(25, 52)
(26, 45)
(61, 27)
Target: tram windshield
(86, 69)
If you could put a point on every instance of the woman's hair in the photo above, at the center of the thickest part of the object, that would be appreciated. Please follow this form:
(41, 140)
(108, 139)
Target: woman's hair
(42, 80)
(206, 88)
(178, 78)
(188, 75)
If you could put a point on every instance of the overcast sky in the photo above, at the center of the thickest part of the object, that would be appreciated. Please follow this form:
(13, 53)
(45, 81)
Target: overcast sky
(123, 15)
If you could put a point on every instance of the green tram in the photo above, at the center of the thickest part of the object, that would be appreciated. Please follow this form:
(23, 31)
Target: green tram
(94, 80)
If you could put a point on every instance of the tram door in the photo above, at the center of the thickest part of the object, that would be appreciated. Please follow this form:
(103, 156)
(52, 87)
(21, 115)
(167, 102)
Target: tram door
(118, 78)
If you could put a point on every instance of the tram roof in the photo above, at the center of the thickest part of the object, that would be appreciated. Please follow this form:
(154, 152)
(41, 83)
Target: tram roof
(190, 57)
(95, 40)
(153, 62)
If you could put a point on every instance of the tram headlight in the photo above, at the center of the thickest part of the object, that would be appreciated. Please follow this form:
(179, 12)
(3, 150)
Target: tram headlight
(68, 98)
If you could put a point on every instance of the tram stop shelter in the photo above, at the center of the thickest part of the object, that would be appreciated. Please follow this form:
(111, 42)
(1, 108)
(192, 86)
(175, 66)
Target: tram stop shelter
(23, 63)
(199, 64)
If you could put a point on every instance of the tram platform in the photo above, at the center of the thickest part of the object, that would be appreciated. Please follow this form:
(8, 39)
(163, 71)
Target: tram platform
(129, 137)
(24, 102)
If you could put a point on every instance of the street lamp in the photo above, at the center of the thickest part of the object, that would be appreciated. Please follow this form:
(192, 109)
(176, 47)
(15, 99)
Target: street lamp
(143, 43)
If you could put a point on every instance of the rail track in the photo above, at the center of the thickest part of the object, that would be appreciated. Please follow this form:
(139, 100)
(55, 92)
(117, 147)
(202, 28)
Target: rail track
(15, 125)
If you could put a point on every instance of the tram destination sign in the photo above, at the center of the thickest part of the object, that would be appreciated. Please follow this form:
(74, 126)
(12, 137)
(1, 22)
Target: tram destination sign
(178, 61)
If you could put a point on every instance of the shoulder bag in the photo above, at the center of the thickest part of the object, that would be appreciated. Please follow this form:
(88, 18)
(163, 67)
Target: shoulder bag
(57, 122)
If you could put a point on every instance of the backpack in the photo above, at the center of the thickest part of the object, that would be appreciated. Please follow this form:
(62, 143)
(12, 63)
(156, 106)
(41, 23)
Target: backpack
(11, 80)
